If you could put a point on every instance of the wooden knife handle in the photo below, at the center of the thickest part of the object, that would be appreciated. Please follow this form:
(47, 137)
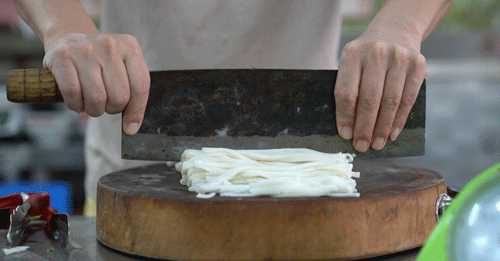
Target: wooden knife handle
(32, 86)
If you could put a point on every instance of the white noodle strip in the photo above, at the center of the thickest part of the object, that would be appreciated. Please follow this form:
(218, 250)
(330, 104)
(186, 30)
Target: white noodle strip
(14, 250)
(276, 172)
(207, 195)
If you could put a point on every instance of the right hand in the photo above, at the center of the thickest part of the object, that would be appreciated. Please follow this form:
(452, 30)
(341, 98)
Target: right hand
(101, 73)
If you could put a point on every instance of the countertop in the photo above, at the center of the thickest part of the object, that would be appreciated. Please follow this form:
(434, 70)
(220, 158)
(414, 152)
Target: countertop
(86, 247)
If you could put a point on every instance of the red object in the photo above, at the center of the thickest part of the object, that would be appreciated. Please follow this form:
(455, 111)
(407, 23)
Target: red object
(40, 205)
(11, 201)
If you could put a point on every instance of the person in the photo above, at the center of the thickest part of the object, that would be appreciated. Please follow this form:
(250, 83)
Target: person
(105, 72)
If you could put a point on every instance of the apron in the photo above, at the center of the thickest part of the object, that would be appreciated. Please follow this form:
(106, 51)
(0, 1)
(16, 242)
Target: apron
(211, 34)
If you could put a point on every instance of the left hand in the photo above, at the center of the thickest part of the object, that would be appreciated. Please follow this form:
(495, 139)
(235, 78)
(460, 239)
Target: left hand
(377, 84)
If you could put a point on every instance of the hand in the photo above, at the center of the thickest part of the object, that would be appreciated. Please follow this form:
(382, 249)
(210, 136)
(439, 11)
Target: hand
(101, 73)
(378, 81)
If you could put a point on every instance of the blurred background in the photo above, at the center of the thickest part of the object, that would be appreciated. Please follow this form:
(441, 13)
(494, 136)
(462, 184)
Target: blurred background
(41, 147)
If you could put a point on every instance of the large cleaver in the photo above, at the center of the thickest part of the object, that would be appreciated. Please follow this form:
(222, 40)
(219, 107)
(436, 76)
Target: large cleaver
(233, 108)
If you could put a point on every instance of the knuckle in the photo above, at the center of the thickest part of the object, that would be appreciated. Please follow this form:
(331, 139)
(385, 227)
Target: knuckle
(414, 80)
(362, 135)
(96, 100)
(100, 99)
(117, 103)
(63, 53)
(133, 47)
(129, 40)
(401, 55)
(85, 48)
(351, 52)
(367, 105)
(350, 49)
(390, 103)
(351, 46)
(71, 89)
(420, 65)
(381, 130)
(141, 89)
(107, 42)
(378, 49)
(420, 60)
(345, 97)
(122, 100)
(408, 100)
(345, 118)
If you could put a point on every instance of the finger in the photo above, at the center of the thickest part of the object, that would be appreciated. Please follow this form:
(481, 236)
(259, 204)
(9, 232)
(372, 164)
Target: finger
(138, 75)
(117, 86)
(391, 98)
(66, 76)
(114, 74)
(370, 94)
(413, 82)
(346, 90)
(94, 93)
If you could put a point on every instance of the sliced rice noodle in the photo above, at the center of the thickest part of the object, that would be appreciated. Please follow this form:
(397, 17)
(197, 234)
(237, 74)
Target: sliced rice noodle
(274, 172)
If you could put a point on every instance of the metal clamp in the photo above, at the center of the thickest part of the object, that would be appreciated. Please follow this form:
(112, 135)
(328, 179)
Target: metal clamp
(442, 203)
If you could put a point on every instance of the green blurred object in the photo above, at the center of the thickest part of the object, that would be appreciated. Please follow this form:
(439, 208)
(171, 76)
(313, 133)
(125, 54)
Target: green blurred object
(462, 15)
(479, 14)
(470, 227)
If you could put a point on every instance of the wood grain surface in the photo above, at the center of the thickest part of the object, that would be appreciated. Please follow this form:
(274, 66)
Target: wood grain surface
(32, 86)
(145, 211)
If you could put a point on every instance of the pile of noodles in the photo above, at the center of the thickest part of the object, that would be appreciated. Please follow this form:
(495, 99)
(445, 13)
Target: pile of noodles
(275, 172)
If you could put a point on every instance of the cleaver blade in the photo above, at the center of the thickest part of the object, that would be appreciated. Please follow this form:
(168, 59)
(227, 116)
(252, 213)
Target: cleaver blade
(252, 109)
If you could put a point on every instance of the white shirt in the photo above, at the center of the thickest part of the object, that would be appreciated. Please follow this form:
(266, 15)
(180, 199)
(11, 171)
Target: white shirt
(213, 34)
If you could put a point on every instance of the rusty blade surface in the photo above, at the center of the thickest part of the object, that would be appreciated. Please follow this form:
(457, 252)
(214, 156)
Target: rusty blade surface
(251, 109)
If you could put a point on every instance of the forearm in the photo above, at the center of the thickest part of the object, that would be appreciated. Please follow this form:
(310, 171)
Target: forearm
(412, 20)
(51, 19)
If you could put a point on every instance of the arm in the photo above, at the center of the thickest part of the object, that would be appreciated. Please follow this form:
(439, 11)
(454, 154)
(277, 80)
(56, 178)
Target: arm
(95, 72)
(52, 19)
(381, 71)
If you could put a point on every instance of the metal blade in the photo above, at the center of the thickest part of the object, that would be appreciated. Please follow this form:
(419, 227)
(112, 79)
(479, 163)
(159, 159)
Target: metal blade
(251, 109)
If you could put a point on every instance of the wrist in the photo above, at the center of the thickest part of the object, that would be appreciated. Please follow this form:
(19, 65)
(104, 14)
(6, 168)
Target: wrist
(53, 35)
(398, 31)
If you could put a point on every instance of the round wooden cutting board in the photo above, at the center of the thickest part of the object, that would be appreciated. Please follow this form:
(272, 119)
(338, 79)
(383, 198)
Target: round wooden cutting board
(145, 211)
